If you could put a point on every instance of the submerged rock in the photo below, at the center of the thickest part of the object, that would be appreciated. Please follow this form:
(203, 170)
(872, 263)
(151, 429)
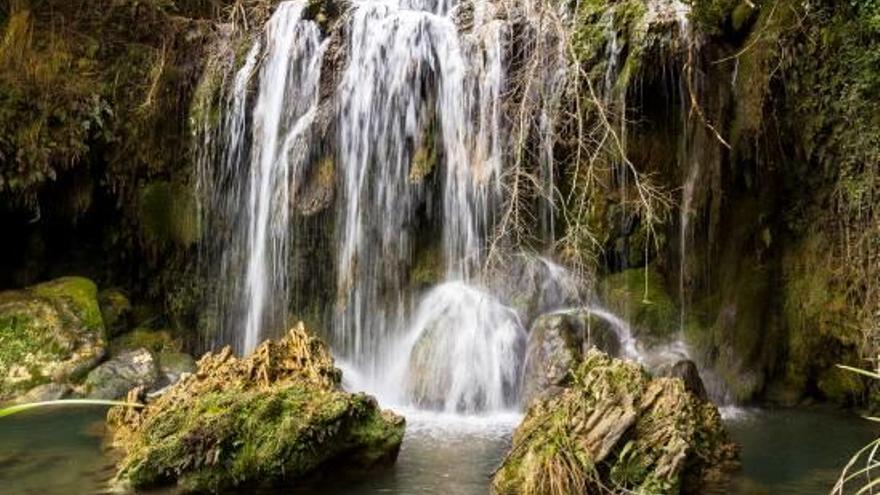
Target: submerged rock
(114, 378)
(617, 430)
(557, 341)
(277, 414)
(51, 332)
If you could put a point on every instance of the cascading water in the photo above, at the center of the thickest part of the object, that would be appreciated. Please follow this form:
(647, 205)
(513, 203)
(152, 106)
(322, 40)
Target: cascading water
(250, 184)
(417, 87)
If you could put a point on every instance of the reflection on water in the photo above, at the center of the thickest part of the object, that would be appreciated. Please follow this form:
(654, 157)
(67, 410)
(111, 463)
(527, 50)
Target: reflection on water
(784, 452)
(53, 452)
(788, 452)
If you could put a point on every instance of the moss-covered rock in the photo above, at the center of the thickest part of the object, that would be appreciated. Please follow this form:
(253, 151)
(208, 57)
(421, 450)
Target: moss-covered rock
(641, 296)
(51, 332)
(277, 414)
(173, 365)
(616, 430)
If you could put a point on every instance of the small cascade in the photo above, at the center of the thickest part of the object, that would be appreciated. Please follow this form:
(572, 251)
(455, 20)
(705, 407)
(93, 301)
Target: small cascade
(249, 184)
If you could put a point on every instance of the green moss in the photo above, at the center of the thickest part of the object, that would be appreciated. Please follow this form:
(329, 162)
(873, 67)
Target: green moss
(153, 340)
(428, 267)
(641, 295)
(718, 17)
(168, 213)
(841, 387)
(50, 332)
(81, 292)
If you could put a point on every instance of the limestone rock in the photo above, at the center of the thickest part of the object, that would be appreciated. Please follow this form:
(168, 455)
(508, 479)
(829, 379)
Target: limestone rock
(556, 343)
(276, 414)
(114, 378)
(617, 430)
(51, 332)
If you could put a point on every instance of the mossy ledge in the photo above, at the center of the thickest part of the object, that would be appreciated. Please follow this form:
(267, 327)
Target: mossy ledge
(278, 414)
(615, 429)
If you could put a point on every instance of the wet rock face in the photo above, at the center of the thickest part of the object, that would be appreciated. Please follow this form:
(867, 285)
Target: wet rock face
(51, 332)
(534, 285)
(277, 414)
(614, 429)
(556, 343)
(687, 371)
(114, 378)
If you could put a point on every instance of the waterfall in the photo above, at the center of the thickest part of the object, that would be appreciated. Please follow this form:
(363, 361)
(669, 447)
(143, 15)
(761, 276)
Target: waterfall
(248, 185)
(412, 79)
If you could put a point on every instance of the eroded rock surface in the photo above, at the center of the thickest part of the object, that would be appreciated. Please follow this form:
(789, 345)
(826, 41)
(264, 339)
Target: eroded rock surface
(617, 430)
(276, 414)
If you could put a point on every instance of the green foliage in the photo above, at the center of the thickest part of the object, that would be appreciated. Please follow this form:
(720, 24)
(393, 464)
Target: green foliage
(718, 17)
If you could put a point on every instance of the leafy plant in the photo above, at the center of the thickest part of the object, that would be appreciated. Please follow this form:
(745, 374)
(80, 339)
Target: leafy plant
(861, 480)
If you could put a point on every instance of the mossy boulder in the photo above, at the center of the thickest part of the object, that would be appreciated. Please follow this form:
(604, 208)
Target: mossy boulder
(51, 332)
(615, 429)
(277, 414)
(641, 296)
(557, 341)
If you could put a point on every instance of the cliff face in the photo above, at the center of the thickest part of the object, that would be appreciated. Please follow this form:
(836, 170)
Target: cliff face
(760, 120)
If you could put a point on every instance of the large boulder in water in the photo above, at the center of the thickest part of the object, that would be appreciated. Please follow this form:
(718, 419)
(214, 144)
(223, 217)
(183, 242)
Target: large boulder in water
(51, 332)
(557, 341)
(466, 350)
(278, 414)
(615, 429)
